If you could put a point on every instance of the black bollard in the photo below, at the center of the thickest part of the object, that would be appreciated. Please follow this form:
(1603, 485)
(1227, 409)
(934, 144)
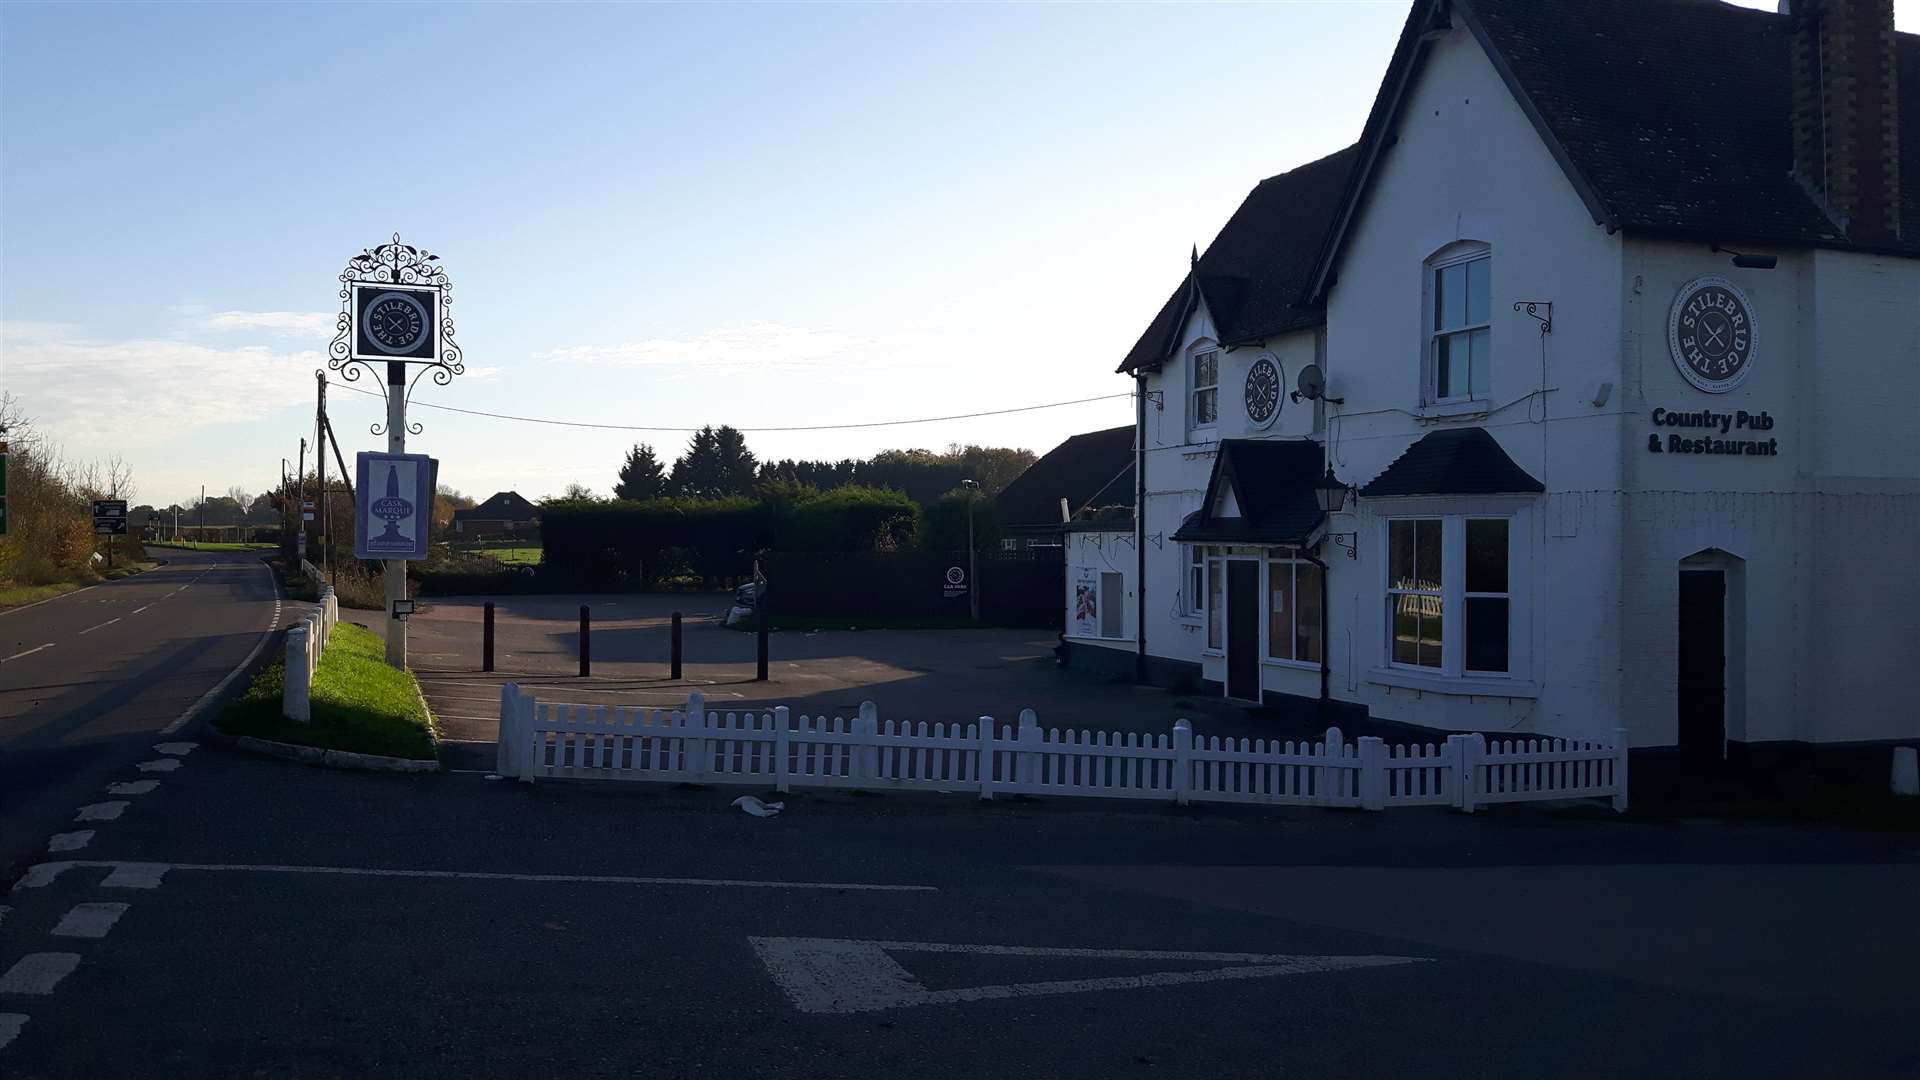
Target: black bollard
(760, 629)
(486, 639)
(675, 656)
(586, 643)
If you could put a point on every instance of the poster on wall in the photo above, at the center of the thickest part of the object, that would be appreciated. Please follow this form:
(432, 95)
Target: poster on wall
(1086, 604)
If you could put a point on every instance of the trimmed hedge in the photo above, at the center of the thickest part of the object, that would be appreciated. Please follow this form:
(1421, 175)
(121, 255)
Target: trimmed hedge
(592, 546)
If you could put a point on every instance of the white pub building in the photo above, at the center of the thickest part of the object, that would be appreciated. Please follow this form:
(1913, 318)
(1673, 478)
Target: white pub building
(1583, 392)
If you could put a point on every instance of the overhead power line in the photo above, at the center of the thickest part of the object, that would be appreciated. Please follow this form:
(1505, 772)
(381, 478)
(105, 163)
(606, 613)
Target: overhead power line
(795, 427)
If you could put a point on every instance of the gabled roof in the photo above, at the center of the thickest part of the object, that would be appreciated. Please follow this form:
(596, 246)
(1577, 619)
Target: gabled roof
(503, 506)
(1272, 481)
(1253, 275)
(1669, 117)
(1095, 468)
(1453, 461)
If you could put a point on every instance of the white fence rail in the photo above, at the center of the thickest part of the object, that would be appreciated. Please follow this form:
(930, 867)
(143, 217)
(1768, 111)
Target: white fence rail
(305, 643)
(777, 749)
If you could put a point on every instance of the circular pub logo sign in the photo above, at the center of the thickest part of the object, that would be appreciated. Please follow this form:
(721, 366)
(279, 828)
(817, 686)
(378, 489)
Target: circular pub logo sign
(1711, 333)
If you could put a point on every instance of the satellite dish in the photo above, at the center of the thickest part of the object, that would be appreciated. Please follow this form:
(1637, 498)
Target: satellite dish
(1311, 383)
(1312, 386)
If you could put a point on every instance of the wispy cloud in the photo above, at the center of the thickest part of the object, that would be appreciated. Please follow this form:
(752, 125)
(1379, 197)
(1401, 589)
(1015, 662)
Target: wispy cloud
(92, 392)
(760, 347)
(288, 323)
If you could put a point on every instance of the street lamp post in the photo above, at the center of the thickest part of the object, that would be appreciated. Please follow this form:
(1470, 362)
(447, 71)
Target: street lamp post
(973, 574)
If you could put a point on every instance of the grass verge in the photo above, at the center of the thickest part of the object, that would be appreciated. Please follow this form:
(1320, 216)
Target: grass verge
(359, 703)
(18, 595)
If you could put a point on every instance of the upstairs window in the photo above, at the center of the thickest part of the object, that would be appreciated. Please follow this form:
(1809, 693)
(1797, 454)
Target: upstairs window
(1459, 324)
(1203, 393)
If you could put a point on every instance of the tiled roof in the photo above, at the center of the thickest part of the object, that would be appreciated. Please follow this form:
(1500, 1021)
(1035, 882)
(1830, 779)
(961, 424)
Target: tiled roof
(1453, 461)
(1670, 117)
(1272, 481)
(1255, 272)
(1095, 468)
(503, 506)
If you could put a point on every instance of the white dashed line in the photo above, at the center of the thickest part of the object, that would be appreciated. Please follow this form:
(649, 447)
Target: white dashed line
(133, 787)
(100, 811)
(91, 629)
(29, 652)
(145, 875)
(38, 973)
(177, 749)
(91, 920)
(165, 764)
(139, 609)
(70, 841)
(10, 1025)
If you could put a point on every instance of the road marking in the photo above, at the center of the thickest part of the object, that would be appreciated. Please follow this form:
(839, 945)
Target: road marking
(90, 920)
(100, 811)
(91, 629)
(147, 875)
(29, 652)
(177, 749)
(133, 787)
(10, 1025)
(38, 973)
(832, 975)
(70, 841)
(165, 764)
(139, 609)
(210, 696)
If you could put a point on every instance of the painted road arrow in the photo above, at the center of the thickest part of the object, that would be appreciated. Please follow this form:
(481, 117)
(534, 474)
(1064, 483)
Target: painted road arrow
(836, 975)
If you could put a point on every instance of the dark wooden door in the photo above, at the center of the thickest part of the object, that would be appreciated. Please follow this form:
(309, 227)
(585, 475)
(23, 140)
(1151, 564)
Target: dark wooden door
(1243, 629)
(1703, 664)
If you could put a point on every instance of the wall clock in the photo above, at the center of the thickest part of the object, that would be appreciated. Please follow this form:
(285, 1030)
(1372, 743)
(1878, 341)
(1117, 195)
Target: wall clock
(1263, 391)
(1711, 334)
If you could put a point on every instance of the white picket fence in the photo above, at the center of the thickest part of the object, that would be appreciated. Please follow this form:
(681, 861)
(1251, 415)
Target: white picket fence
(305, 643)
(779, 750)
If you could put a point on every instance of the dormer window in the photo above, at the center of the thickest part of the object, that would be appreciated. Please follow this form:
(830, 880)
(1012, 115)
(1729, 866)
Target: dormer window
(1459, 324)
(1203, 387)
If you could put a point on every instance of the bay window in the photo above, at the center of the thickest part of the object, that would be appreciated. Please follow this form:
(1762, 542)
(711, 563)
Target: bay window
(1193, 595)
(1449, 595)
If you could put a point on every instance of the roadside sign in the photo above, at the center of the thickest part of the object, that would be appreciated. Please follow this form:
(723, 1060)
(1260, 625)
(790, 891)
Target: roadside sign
(110, 517)
(394, 506)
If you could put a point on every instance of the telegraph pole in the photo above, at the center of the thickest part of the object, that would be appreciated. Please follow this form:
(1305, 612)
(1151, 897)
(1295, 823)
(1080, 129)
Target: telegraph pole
(320, 464)
(300, 510)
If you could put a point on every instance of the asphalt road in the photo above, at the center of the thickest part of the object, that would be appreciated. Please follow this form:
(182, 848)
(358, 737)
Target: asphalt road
(248, 917)
(88, 678)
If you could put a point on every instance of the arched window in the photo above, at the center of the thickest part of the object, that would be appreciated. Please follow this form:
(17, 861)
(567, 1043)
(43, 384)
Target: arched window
(1459, 354)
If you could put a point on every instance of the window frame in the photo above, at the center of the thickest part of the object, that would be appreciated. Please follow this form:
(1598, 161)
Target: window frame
(1453, 675)
(1193, 586)
(1395, 592)
(1119, 593)
(1460, 253)
(1203, 347)
(1293, 559)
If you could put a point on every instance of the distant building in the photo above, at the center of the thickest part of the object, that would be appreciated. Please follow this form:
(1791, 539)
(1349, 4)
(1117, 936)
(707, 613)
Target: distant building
(507, 513)
(1088, 471)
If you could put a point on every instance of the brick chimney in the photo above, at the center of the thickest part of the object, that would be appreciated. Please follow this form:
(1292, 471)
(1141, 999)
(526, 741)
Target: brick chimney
(1846, 120)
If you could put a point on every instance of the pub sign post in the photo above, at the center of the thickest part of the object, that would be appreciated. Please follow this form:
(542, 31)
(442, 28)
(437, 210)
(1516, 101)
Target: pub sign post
(395, 303)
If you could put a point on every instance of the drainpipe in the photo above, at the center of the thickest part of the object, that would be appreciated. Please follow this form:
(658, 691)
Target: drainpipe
(1140, 527)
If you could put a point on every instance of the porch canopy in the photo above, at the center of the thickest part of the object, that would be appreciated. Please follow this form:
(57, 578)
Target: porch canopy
(1453, 461)
(1260, 493)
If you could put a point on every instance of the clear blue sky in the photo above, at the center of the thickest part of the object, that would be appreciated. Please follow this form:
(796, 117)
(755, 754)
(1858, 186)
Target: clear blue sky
(749, 214)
